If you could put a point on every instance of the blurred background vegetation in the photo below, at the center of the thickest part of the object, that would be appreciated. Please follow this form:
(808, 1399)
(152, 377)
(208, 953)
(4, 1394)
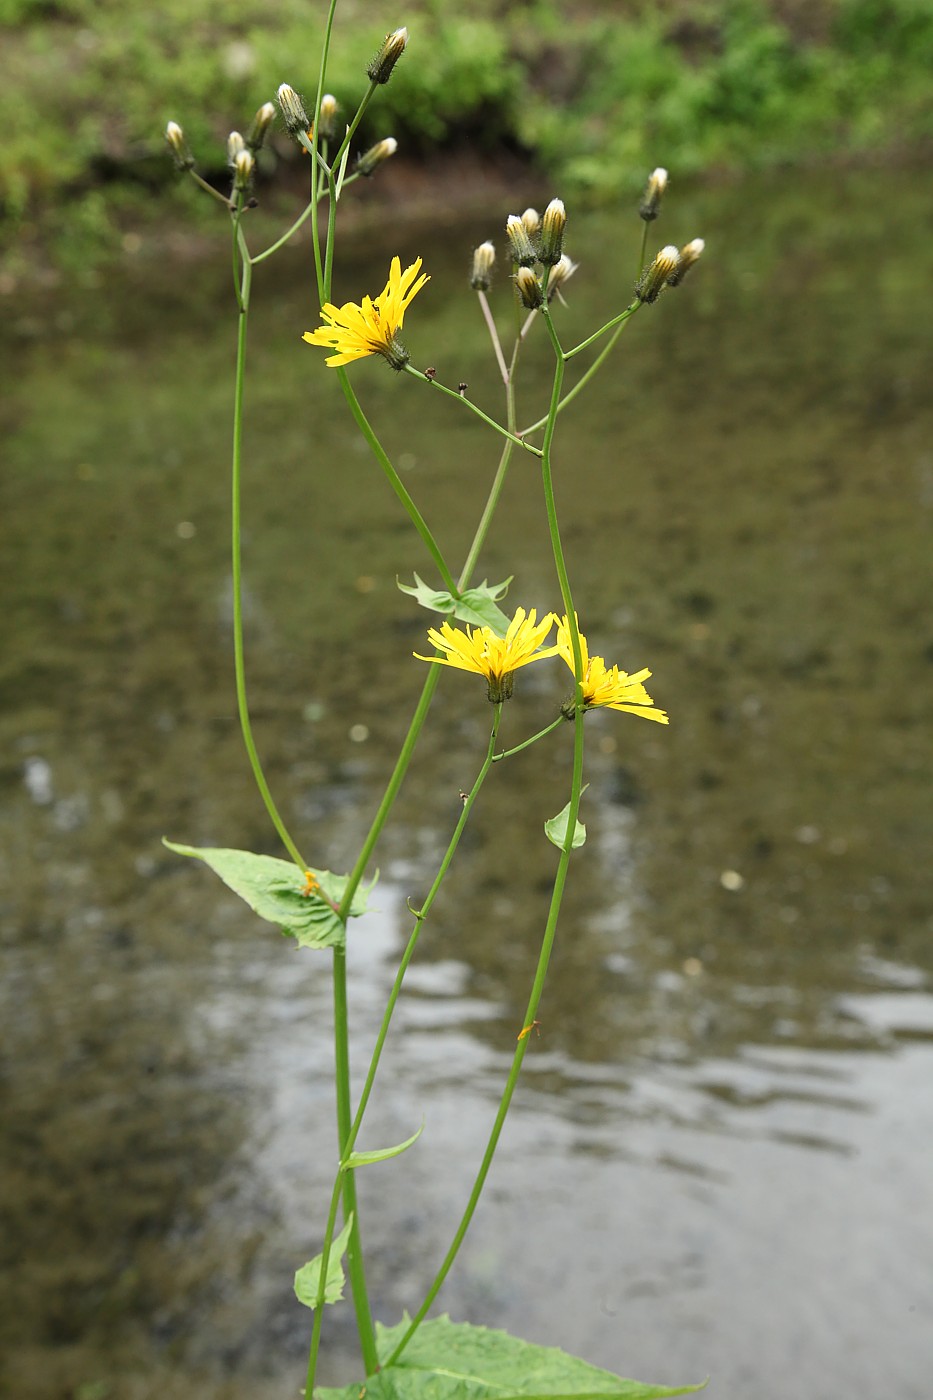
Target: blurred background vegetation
(596, 91)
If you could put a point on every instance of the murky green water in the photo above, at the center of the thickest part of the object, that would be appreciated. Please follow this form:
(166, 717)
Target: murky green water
(719, 1159)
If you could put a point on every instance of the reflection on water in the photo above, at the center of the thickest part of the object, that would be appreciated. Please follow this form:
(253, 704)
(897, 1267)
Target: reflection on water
(717, 1161)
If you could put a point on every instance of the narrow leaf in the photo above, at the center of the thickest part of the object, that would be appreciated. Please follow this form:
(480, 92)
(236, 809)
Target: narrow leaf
(278, 891)
(379, 1154)
(555, 828)
(308, 1278)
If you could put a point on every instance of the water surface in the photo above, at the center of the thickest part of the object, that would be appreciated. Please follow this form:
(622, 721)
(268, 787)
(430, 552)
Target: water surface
(718, 1159)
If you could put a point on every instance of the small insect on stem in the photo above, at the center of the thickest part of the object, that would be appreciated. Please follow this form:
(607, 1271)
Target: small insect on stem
(526, 1030)
(462, 388)
(430, 373)
(312, 883)
(464, 797)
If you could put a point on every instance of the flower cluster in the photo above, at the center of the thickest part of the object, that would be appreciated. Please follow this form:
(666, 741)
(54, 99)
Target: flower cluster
(497, 658)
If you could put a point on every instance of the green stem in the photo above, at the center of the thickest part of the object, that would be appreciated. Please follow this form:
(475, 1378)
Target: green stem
(289, 233)
(560, 878)
(394, 479)
(315, 172)
(584, 379)
(452, 393)
(507, 753)
(209, 189)
(241, 254)
(345, 1175)
(616, 320)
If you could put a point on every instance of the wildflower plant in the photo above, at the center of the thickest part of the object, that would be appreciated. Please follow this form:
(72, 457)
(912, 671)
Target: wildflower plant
(473, 634)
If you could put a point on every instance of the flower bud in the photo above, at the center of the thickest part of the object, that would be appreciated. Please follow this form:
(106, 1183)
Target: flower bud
(367, 162)
(653, 279)
(235, 144)
(552, 233)
(532, 221)
(178, 146)
(689, 254)
(259, 126)
(529, 288)
(244, 165)
(483, 259)
(559, 274)
(380, 70)
(654, 190)
(521, 246)
(293, 113)
(327, 125)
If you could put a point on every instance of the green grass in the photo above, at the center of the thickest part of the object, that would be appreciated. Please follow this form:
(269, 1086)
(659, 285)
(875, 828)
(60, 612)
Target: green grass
(596, 93)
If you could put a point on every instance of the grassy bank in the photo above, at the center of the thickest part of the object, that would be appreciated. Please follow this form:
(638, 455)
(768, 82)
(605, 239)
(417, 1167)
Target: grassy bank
(596, 91)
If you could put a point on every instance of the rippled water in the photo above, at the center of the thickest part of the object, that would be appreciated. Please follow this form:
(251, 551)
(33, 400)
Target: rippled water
(718, 1161)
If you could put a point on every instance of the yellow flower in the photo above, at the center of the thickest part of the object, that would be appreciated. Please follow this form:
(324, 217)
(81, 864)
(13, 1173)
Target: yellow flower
(610, 688)
(497, 658)
(369, 329)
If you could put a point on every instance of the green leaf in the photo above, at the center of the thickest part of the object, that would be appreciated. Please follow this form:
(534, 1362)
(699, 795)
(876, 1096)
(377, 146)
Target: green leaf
(275, 890)
(456, 1361)
(555, 829)
(308, 1278)
(477, 606)
(379, 1154)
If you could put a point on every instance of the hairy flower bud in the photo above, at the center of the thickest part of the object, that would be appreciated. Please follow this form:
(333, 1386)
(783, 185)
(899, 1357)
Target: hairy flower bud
(244, 165)
(552, 233)
(178, 146)
(655, 276)
(532, 221)
(559, 274)
(393, 46)
(259, 126)
(327, 125)
(292, 108)
(689, 254)
(529, 288)
(367, 162)
(522, 248)
(654, 190)
(483, 259)
(235, 144)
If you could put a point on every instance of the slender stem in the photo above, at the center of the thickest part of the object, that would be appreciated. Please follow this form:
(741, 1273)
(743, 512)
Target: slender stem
(583, 380)
(315, 172)
(616, 320)
(560, 878)
(394, 479)
(548, 729)
(280, 242)
(452, 393)
(349, 1140)
(367, 98)
(209, 189)
(243, 292)
(355, 1268)
(494, 336)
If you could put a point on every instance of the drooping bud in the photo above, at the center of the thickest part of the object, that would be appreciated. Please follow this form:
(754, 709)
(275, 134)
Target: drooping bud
(522, 248)
(552, 233)
(178, 146)
(367, 162)
(532, 221)
(235, 144)
(559, 274)
(243, 167)
(689, 254)
(654, 191)
(292, 108)
(327, 125)
(654, 278)
(393, 46)
(529, 288)
(483, 259)
(259, 126)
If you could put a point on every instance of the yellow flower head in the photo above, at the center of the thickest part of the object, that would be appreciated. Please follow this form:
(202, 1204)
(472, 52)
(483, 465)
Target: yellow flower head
(497, 658)
(610, 688)
(369, 329)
